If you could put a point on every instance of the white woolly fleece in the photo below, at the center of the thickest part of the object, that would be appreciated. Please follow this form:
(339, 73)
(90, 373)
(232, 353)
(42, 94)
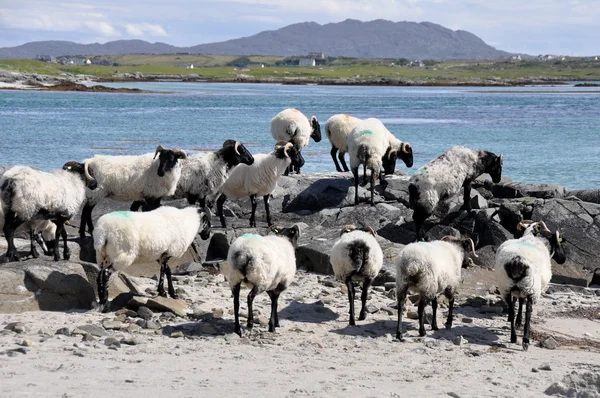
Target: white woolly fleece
(201, 174)
(338, 128)
(269, 261)
(259, 178)
(535, 255)
(340, 255)
(372, 134)
(291, 125)
(429, 267)
(131, 178)
(122, 237)
(57, 191)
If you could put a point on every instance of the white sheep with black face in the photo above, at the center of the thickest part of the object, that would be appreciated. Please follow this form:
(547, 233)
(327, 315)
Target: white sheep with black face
(258, 179)
(338, 128)
(524, 269)
(356, 256)
(376, 148)
(431, 269)
(444, 176)
(143, 179)
(264, 263)
(31, 195)
(290, 125)
(123, 237)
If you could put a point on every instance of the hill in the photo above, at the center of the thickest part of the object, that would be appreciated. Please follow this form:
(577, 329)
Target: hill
(350, 38)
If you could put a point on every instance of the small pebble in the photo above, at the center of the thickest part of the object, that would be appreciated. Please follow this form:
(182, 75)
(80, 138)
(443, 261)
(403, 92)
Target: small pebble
(544, 366)
(177, 334)
(63, 331)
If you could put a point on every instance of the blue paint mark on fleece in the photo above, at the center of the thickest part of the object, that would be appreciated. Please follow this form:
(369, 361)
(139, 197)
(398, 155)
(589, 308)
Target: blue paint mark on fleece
(366, 132)
(122, 213)
(251, 236)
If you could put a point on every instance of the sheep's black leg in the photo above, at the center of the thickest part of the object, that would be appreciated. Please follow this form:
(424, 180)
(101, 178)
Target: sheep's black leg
(434, 306)
(251, 296)
(421, 312)
(192, 198)
(363, 298)
(511, 318)
(161, 280)
(273, 322)
(287, 170)
(220, 201)
(401, 301)
(343, 161)
(86, 220)
(450, 296)
(355, 173)
(267, 210)
(60, 225)
(365, 174)
(253, 214)
(66, 250)
(519, 322)
(11, 223)
(151, 204)
(527, 327)
(135, 206)
(167, 270)
(333, 152)
(297, 168)
(382, 182)
(202, 202)
(467, 196)
(236, 308)
(102, 280)
(32, 240)
(419, 220)
(350, 287)
(373, 178)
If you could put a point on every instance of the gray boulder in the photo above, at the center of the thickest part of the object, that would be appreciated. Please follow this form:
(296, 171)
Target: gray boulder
(520, 189)
(587, 195)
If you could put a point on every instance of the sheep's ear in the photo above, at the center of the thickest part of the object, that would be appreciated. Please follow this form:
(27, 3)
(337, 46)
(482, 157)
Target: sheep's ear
(274, 229)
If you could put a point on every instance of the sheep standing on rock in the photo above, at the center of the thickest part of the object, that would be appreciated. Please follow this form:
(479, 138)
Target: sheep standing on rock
(338, 128)
(265, 263)
(374, 146)
(140, 179)
(443, 177)
(431, 268)
(290, 125)
(28, 194)
(524, 269)
(122, 237)
(260, 178)
(356, 255)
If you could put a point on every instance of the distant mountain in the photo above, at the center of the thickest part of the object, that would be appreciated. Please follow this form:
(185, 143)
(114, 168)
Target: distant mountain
(350, 38)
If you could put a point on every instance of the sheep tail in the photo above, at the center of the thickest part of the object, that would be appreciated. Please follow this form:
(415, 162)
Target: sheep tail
(516, 269)
(359, 254)
(367, 157)
(243, 263)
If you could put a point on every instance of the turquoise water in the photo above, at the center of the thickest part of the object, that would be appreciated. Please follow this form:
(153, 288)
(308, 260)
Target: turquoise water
(547, 134)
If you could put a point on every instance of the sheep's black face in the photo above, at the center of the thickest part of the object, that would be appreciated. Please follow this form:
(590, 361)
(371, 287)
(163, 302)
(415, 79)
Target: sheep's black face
(292, 234)
(168, 160)
(406, 154)
(389, 161)
(296, 156)
(84, 171)
(494, 168)
(204, 223)
(557, 248)
(316, 129)
(234, 153)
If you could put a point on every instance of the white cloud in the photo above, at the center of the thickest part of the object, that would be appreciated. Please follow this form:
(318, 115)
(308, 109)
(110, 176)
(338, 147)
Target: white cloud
(140, 29)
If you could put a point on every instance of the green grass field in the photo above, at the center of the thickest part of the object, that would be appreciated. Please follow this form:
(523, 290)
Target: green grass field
(216, 67)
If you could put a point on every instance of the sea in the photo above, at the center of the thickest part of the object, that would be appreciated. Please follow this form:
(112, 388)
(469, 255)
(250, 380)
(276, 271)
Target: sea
(548, 134)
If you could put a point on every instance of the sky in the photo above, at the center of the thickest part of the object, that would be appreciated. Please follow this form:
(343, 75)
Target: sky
(566, 27)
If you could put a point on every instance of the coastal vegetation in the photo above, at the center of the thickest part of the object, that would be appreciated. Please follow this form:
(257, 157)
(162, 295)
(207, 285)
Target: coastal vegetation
(269, 68)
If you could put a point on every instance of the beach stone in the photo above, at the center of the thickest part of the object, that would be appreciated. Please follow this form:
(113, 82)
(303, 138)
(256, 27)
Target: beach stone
(26, 343)
(459, 341)
(177, 334)
(133, 328)
(486, 309)
(109, 324)
(151, 325)
(65, 331)
(550, 343)
(204, 329)
(130, 341)
(145, 313)
(545, 367)
(467, 320)
(94, 330)
(520, 190)
(587, 195)
(17, 327)
(112, 341)
(410, 314)
(162, 304)
(88, 338)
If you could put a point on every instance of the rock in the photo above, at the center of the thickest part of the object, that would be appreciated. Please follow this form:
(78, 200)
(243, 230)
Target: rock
(177, 334)
(151, 325)
(109, 324)
(587, 195)
(410, 314)
(26, 343)
(217, 313)
(519, 190)
(545, 366)
(459, 341)
(88, 338)
(40, 284)
(550, 343)
(17, 327)
(130, 341)
(133, 328)
(145, 313)
(467, 320)
(261, 320)
(64, 331)
(112, 342)
(486, 309)
(93, 330)
(204, 329)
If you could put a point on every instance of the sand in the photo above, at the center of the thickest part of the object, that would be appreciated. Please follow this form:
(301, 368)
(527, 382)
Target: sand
(313, 353)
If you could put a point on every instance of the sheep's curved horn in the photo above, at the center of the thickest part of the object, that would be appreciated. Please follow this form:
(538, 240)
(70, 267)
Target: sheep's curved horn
(178, 151)
(406, 147)
(524, 224)
(389, 156)
(544, 227)
(501, 156)
(86, 172)
(159, 149)
(371, 231)
(473, 248)
(237, 146)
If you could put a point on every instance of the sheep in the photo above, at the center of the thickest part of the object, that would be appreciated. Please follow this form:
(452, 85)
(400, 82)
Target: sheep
(265, 263)
(202, 175)
(32, 195)
(431, 268)
(356, 255)
(260, 178)
(523, 270)
(337, 129)
(290, 125)
(371, 144)
(443, 177)
(122, 237)
(141, 179)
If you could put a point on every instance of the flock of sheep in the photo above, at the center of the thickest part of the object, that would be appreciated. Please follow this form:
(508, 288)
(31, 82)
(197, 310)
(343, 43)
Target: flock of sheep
(42, 202)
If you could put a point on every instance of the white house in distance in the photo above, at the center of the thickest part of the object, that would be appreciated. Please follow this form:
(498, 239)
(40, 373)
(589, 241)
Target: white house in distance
(307, 62)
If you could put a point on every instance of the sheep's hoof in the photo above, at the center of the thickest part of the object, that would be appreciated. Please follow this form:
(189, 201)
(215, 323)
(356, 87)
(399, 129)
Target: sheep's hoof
(422, 332)
(238, 331)
(250, 324)
(525, 345)
(352, 322)
(271, 329)
(162, 293)
(35, 254)
(174, 296)
(513, 339)
(362, 316)
(448, 325)
(56, 257)
(400, 337)
(434, 327)
(67, 255)
(13, 256)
